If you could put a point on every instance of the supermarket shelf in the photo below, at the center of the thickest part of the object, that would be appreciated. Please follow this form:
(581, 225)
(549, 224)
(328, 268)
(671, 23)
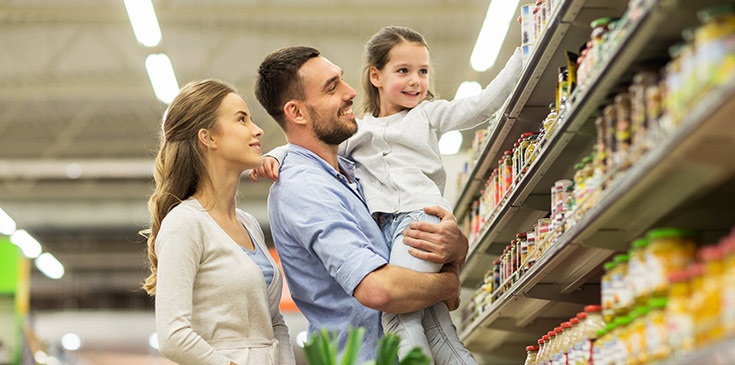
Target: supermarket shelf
(721, 353)
(645, 41)
(690, 173)
(528, 103)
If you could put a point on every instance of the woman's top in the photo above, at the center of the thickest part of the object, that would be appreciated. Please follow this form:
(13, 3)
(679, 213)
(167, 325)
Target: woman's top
(212, 302)
(260, 259)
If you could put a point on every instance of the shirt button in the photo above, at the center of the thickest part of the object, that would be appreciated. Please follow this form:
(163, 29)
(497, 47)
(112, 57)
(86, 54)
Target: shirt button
(385, 153)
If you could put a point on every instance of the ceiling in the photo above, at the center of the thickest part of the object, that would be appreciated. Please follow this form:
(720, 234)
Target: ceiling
(75, 100)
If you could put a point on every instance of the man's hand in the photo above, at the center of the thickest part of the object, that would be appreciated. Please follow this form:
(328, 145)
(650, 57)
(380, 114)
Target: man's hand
(269, 170)
(441, 242)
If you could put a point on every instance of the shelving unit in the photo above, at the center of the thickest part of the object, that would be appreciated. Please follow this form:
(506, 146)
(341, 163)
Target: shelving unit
(687, 180)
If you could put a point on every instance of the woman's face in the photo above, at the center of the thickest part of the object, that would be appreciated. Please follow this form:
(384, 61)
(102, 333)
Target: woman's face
(236, 137)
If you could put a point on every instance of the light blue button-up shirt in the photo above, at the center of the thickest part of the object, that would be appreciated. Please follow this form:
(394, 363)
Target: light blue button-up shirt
(328, 243)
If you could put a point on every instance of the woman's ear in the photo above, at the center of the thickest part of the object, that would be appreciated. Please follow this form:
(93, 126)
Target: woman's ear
(293, 110)
(205, 138)
(375, 77)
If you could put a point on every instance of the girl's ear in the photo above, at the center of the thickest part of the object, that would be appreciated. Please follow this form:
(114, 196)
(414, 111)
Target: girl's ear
(293, 111)
(205, 138)
(375, 77)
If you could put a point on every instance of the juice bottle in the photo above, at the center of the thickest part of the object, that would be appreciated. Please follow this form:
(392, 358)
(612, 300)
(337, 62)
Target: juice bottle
(563, 353)
(540, 350)
(574, 336)
(531, 354)
(593, 323)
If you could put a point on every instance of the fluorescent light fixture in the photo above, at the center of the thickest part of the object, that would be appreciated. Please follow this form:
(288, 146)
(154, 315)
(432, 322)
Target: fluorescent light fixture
(450, 142)
(467, 88)
(71, 341)
(163, 79)
(7, 224)
(144, 22)
(50, 266)
(493, 32)
(30, 247)
(153, 340)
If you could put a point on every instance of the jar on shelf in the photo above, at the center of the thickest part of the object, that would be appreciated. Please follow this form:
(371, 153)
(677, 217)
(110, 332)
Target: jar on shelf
(668, 250)
(530, 151)
(623, 299)
(639, 118)
(507, 172)
(622, 339)
(542, 231)
(541, 5)
(600, 27)
(678, 317)
(697, 300)
(622, 129)
(515, 161)
(496, 188)
(598, 347)
(610, 116)
(656, 332)
(522, 239)
(728, 289)
(709, 326)
(715, 45)
(637, 335)
(637, 271)
(608, 293)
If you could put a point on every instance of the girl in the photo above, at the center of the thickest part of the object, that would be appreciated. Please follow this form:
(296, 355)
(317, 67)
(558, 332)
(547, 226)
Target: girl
(400, 168)
(217, 289)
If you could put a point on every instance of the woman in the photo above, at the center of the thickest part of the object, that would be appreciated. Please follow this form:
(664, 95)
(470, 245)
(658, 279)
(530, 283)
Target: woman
(217, 290)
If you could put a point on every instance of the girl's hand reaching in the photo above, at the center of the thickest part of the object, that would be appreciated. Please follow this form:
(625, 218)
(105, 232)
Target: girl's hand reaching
(269, 170)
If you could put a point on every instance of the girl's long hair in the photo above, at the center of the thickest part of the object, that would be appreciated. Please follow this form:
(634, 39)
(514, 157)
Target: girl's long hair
(179, 166)
(376, 55)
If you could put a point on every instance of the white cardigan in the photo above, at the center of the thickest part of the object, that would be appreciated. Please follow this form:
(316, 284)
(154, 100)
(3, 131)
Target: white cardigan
(212, 303)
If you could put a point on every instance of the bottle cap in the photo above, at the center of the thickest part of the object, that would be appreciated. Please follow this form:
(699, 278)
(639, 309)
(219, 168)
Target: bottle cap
(640, 243)
(593, 308)
(532, 348)
(670, 232)
(582, 315)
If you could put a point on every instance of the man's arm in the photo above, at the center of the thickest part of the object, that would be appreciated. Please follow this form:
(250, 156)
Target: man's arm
(394, 289)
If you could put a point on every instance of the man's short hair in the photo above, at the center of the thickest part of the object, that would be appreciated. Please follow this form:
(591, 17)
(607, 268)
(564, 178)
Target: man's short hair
(278, 79)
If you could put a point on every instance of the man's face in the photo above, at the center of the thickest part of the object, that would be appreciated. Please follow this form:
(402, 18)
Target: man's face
(328, 101)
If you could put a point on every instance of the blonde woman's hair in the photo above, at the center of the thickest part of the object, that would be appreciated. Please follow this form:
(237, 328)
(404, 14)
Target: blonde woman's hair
(376, 55)
(179, 164)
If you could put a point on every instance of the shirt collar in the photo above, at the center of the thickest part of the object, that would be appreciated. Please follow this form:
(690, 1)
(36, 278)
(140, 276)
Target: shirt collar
(347, 166)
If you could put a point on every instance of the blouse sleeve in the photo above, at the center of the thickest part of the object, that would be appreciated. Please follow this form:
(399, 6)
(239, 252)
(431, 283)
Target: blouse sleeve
(444, 115)
(179, 249)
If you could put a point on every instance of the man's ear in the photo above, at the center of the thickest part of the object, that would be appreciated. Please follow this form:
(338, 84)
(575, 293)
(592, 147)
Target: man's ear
(375, 77)
(205, 138)
(294, 112)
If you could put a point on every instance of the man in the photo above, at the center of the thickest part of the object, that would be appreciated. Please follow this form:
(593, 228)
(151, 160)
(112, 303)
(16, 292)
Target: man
(333, 253)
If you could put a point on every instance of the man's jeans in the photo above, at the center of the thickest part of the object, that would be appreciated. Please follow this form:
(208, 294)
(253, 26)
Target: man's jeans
(430, 329)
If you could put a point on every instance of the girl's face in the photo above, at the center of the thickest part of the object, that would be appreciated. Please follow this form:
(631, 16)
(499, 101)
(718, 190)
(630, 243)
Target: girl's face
(404, 80)
(236, 137)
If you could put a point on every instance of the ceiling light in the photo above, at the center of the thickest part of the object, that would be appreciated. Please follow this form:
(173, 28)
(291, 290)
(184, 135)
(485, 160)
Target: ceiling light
(301, 339)
(493, 32)
(450, 142)
(144, 22)
(51, 267)
(40, 357)
(163, 79)
(7, 224)
(71, 341)
(30, 247)
(467, 88)
(153, 340)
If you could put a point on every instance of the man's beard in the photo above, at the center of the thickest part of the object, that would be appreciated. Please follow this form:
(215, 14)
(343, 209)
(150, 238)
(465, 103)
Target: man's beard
(330, 129)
